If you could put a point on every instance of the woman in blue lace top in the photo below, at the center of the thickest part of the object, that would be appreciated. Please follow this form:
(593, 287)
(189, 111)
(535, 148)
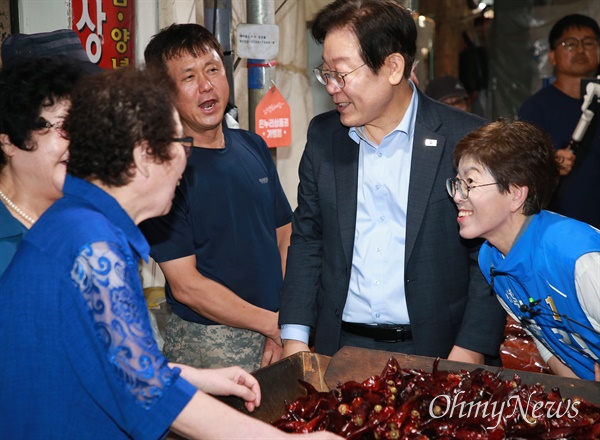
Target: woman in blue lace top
(78, 357)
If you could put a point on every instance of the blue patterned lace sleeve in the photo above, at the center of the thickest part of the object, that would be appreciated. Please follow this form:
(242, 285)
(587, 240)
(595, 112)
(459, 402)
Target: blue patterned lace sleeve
(109, 282)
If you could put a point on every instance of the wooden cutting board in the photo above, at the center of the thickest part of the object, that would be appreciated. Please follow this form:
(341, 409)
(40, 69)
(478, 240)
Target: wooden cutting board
(352, 363)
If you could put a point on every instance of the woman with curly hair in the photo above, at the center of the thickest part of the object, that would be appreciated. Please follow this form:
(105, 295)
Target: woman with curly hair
(34, 100)
(79, 359)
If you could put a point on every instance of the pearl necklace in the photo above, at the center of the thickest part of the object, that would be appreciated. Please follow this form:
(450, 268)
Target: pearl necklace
(15, 208)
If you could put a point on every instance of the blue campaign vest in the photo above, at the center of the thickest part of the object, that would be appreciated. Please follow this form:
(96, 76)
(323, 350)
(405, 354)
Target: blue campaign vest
(539, 273)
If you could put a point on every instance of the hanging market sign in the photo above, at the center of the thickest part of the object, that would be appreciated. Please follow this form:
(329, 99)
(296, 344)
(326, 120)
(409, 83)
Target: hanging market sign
(106, 30)
(273, 118)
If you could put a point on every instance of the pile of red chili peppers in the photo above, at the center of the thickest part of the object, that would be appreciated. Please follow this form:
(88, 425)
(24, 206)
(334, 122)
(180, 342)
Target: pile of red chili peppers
(411, 404)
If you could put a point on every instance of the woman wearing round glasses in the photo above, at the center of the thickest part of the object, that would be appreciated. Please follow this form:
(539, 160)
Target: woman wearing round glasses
(545, 268)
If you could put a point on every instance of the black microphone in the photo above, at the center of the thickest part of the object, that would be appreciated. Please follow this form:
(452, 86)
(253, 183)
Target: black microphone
(525, 308)
(529, 309)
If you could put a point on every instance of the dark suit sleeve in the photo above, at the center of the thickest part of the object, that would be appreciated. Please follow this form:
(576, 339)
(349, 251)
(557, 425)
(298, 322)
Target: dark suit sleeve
(450, 302)
(482, 326)
(483, 323)
(304, 265)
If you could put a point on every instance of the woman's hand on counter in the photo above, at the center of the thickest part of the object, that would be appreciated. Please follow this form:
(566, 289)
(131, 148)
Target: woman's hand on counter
(231, 381)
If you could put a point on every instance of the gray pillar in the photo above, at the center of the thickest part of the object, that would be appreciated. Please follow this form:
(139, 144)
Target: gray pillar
(259, 73)
(217, 19)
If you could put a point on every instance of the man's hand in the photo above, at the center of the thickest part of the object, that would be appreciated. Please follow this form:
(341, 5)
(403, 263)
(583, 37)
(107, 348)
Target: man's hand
(597, 372)
(291, 346)
(566, 160)
(272, 353)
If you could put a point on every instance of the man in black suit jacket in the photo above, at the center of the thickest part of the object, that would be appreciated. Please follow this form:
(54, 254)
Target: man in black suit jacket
(380, 264)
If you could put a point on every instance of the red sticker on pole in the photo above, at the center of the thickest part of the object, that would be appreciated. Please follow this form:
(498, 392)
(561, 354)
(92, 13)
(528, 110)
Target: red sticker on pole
(106, 30)
(273, 119)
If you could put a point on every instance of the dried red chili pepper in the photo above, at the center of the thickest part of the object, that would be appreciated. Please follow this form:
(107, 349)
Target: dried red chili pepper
(405, 404)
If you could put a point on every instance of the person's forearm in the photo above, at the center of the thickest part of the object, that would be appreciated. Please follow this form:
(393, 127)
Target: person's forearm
(559, 368)
(217, 303)
(460, 354)
(205, 417)
(291, 346)
(191, 374)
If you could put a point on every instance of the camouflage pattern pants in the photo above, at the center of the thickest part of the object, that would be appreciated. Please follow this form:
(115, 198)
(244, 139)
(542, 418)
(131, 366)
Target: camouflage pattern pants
(212, 346)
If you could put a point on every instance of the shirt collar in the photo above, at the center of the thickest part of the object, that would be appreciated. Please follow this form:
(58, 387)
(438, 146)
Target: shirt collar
(11, 227)
(108, 205)
(406, 125)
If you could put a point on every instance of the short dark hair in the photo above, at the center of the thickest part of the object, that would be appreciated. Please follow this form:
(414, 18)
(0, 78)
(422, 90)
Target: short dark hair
(110, 113)
(178, 39)
(577, 21)
(26, 88)
(382, 27)
(515, 153)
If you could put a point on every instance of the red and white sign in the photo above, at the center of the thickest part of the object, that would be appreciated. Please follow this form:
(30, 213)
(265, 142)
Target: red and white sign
(106, 30)
(273, 119)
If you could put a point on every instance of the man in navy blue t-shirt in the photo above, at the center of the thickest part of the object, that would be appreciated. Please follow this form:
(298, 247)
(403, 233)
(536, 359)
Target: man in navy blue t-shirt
(223, 246)
(557, 108)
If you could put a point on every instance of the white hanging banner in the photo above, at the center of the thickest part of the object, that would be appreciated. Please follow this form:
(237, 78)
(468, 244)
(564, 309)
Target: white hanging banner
(257, 41)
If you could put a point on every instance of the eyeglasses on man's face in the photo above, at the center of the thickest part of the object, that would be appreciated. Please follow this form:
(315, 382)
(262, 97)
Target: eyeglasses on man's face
(187, 143)
(454, 185)
(571, 43)
(44, 127)
(336, 78)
